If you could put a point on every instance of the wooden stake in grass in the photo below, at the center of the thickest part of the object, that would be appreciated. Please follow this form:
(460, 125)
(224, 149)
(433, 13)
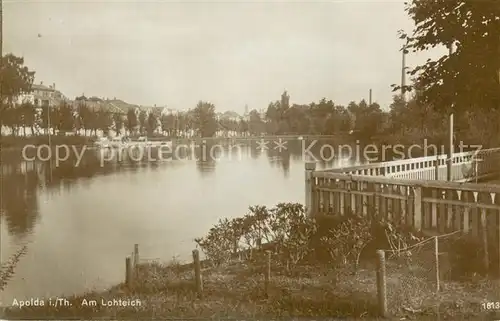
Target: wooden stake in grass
(267, 274)
(197, 273)
(436, 256)
(381, 283)
(128, 271)
(484, 234)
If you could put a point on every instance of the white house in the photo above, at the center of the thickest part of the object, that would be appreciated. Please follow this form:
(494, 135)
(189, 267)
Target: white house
(42, 95)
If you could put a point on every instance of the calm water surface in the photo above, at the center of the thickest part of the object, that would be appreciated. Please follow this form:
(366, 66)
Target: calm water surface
(80, 223)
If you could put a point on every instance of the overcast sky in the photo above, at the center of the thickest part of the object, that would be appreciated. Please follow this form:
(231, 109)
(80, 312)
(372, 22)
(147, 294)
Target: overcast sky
(229, 53)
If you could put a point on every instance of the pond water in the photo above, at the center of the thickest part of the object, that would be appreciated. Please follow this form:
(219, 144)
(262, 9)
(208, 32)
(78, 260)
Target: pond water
(80, 222)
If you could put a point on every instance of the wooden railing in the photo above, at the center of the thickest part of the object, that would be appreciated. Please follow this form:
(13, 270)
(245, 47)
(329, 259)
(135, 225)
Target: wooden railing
(466, 166)
(431, 205)
(424, 205)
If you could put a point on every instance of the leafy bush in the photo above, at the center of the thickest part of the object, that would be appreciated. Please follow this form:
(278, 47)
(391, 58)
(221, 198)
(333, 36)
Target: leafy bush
(220, 242)
(295, 238)
(466, 257)
(348, 239)
(284, 229)
(293, 232)
(7, 269)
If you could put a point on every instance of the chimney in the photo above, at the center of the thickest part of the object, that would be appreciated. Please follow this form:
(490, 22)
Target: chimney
(53, 85)
(41, 82)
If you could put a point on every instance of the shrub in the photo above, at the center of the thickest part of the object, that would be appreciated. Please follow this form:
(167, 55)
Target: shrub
(7, 269)
(346, 241)
(219, 243)
(296, 238)
(466, 256)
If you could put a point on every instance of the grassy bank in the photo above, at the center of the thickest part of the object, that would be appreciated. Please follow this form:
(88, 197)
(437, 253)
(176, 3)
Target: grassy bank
(16, 142)
(237, 290)
(321, 267)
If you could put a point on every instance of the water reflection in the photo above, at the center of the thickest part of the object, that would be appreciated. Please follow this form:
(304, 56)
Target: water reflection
(255, 152)
(102, 204)
(19, 198)
(206, 156)
(22, 180)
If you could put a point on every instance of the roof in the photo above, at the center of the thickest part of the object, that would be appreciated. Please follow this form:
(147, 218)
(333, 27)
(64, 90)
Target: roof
(153, 110)
(230, 115)
(41, 87)
(120, 106)
(101, 105)
(117, 104)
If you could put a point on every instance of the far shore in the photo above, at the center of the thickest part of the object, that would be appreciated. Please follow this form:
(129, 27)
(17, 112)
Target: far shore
(9, 142)
(18, 142)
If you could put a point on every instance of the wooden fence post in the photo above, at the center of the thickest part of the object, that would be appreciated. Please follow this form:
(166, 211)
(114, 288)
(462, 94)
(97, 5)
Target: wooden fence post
(436, 168)
(436, 256)
(197, 273)
(498, 249)
(484, 232)
(381, 283)
(451, 144)
(128, 271)
(236, 246)
(267, 275)
(417, 208)
(310, 168)
(136, 255)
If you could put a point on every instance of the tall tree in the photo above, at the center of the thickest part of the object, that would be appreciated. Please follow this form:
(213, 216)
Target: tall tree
(143, 116)
(84, 116)
(242, 127)
(53, 117)
(131, 120)
(469, 77)
(204, 120)
(368, 119)
(256, 125)
(16, 79)
(11, 117)
(65, 121)
(168, 124)
(28, 113)
(117, 122)
(104, 121)
(44, 118)
(152, 123)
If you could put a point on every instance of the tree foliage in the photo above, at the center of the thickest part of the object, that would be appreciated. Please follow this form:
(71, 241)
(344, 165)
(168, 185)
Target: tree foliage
(469, 77)
(143, 116)
(406, 121)
(132, 121)
(16, 78)
(204, 119)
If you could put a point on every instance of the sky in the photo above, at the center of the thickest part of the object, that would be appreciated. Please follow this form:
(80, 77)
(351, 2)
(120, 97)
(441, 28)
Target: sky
(230, 53)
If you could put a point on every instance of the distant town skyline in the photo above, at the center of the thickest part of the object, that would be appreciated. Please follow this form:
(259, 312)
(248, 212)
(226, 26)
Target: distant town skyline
(231, 54)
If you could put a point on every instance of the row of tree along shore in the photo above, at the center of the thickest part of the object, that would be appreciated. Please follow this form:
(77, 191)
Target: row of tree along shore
(464, 82)
(404, 122)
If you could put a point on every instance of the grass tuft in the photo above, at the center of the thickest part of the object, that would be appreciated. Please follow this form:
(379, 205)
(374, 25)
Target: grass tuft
(237, 290)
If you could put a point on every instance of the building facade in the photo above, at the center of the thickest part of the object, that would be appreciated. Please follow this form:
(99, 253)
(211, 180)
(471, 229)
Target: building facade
(42, 95)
